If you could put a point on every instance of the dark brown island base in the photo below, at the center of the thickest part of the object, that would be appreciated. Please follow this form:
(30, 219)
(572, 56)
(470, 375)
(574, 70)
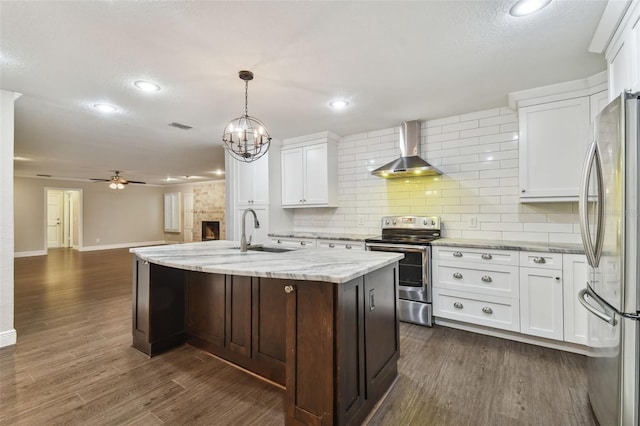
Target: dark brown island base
(333, 346)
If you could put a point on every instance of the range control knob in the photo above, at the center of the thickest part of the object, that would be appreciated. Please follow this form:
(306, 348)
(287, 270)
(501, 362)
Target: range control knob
(433, 222)
(386, 222)
(425, 222)
(394, 222)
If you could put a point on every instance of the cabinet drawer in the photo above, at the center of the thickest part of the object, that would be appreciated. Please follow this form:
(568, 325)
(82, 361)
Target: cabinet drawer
(490, 311)
(339, 244)
(295, 242)
(541, 260)
(499, 280)
(482, 256)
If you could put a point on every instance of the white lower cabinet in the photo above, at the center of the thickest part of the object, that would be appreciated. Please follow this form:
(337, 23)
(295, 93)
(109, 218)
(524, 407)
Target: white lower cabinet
(541, 312)
(532, 293)
(575, 271)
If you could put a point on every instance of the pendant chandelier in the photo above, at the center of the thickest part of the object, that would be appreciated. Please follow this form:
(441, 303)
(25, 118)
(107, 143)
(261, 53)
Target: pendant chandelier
(246, 138)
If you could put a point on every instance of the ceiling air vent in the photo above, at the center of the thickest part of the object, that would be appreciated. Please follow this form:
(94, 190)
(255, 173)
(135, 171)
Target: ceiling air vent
(180, 126)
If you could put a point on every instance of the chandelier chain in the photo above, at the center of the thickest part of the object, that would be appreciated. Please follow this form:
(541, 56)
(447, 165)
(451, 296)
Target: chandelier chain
(246, 98)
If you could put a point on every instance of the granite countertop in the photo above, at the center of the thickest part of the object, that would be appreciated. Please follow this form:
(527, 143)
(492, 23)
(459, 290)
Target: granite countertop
(222, 257)
(320, 235)
(511, 245)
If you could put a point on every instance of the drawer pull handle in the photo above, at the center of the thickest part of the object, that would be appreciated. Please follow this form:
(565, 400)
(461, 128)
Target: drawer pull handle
(458, 305)
(279, 241)
(457, 275)
(331, 245)
(303, 243)
(539, 260)
(487, 310)
(457, 254)
(487, 256)
(348, 246)
(486, 279)
(288, 289)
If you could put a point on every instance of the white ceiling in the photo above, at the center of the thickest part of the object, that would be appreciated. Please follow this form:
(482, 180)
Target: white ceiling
(392, 60)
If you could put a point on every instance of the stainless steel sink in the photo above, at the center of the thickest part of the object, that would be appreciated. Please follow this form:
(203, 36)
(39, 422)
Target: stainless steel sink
(267, 249)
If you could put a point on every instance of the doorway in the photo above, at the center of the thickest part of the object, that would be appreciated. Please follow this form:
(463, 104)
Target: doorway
(63, 218)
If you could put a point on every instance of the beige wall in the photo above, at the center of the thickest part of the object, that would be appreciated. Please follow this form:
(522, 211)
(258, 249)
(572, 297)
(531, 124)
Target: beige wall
(114, 217)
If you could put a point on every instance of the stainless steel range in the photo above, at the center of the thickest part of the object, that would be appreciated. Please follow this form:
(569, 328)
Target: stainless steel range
(412, 236)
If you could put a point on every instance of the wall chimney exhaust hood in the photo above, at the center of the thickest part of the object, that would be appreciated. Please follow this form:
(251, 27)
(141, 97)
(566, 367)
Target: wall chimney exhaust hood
(409, 164)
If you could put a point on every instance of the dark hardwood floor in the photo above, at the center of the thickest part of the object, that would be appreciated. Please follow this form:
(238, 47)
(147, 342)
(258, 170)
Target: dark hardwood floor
(74, 364)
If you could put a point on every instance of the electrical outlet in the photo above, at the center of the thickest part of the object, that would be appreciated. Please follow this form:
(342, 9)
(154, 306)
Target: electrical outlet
(473, 221)
(360, 220)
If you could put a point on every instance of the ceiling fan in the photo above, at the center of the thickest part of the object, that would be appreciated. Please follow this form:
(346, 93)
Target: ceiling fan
(117, 181)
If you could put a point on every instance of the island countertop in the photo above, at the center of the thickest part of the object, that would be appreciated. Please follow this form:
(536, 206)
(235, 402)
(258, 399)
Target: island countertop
(223, 257)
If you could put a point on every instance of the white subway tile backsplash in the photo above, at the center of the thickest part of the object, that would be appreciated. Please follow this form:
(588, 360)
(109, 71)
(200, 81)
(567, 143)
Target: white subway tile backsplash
(478, 154)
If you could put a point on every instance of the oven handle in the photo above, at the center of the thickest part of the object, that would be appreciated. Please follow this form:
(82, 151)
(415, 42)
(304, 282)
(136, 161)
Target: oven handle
(396, 248)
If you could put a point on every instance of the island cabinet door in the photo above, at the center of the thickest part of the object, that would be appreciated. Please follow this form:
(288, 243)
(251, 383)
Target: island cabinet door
(205, 310)
(310, 364)
(269, 331)
(381, 330)
(238, 332)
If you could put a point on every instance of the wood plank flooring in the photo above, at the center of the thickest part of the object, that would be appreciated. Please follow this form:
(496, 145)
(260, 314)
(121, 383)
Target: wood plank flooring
(74, 364)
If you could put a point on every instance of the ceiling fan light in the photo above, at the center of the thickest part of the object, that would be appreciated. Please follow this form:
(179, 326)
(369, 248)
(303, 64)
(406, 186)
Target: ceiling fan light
(120, 185)
(113, 185)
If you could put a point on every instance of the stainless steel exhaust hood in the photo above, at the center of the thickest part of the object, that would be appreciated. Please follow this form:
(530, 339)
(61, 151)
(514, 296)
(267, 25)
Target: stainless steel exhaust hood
(409, 164)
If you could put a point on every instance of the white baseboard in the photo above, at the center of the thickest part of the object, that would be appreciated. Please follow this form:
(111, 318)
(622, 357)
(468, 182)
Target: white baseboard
(510, 335)
(8, 338)
(30, 253)
(124, 245)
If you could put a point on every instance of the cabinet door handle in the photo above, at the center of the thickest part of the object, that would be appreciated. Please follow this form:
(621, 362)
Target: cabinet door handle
(303, 243)
(348, 246)
(457, 254)
(457, 275)
(486, 279)
(279, 242)
(288, 288)
(487, 310)
(301, 200)
(458, 305)
(331, 245)
(539, 260)
(372, 300)
(487, 256)
(557, 278)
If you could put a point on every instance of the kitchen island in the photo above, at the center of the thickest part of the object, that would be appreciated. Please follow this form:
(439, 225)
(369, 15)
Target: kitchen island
(322, 324)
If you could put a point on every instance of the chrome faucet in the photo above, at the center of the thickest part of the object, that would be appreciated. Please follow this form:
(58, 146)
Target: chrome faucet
(256, 224)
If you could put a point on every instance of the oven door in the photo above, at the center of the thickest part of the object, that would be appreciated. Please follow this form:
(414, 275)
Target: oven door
(413, 272)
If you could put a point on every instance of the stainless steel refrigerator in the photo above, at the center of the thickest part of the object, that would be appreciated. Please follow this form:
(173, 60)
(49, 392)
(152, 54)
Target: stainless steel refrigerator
(610, 234)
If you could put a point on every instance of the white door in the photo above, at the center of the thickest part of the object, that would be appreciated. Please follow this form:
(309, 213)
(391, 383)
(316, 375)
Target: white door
(54, 219)
(260, 174)
(541, 311)
(188, 217)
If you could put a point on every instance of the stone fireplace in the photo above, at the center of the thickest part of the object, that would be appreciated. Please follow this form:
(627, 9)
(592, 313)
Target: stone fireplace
(210, 230)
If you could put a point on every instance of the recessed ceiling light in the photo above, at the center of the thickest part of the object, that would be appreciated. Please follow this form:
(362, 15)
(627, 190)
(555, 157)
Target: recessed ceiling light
(21, 159)
(170, 179)
(146, 86)
(219, 172)
(527, 7)
(105, 107)
(339, 104)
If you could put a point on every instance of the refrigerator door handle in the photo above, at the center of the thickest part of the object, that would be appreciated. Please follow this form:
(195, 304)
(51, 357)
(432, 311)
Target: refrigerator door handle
(602, 315)
(583, 206)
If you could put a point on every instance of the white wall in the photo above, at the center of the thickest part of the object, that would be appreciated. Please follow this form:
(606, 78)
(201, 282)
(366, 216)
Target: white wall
(478, 153)
(7, 331)
(110, 218)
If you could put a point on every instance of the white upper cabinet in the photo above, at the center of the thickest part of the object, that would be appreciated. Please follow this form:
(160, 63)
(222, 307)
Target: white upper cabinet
(554, 133)
(252, 182)
(623, 54)
(618, 37)
(309, 171)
